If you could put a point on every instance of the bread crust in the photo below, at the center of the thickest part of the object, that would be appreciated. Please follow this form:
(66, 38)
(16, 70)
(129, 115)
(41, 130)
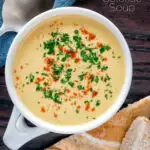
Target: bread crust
(112, 131)
(138, 135)
(116, 128)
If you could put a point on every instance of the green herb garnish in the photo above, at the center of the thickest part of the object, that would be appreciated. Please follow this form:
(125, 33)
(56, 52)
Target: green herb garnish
(38, 88)
(54, 34)
(106, 96)
(44, 74)
(86, 102)
(45, 84)
(80, 87)
(31, 77)
(106, 78)
(65, 38)
(81, 76)
(71, 84)
(67, 76)
(78, 40)
(98, 103)
(44, 55)
(50, 46)
(53, 95)
(84, 56)
(77, 111)
(104, 68)
(63, 81)
(57, 69)
(96, 79)
(76, 31)
(91, 89)
(65, 57)
(104, 48)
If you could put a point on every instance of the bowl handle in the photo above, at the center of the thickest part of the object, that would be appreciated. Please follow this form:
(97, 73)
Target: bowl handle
(3, 30)
(18, 132)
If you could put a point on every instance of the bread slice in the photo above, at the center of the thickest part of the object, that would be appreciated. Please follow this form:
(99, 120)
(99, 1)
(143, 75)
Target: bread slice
(80, 142)
(109, 135)
(115, 128)
(138, 135)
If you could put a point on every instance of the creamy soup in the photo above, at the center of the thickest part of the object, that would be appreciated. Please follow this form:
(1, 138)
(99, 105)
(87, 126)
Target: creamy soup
(69, 70)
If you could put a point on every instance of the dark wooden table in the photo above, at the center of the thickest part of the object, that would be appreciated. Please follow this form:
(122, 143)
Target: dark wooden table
(133, 19)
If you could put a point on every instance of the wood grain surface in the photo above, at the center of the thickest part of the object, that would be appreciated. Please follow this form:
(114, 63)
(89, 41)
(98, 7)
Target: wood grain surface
(134, 23)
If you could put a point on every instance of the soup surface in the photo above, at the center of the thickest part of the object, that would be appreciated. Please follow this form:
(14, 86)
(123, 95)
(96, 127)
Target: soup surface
(69, 70)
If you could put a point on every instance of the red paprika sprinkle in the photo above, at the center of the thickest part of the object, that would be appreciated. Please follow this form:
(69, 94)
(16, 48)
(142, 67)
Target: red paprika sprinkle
(75, 94)
(93, 109)
(49, 60)
(66, 51)
(83, 30)
(61, 93)
(78, 107)
(85, 92)
(99, 45)
(21, 67)
(73, 54)
(61, 23)
(94, 93)
(67, 65)
(76, 81)
(38, 80)
(43, 89)
(61, 48)
(105, 59)
(75, 24)
(92, 36)
(47, 68)
(77, 60)
(43, 109)
(17, 78)
(87, 106)
(67, 90)
(55, 115)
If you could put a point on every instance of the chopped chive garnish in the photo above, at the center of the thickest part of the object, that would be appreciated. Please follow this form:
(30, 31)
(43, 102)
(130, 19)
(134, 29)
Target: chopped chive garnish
(104, 68)
(80, 87)
(106, 96)
(86, 102)
(96, 79)
(38, 88)
(45, 84)
(91, 89)
(65, 57)
(31, 77)
(77, 111)
(44, 74)
(98, 103)
(81, 76)
(104, 48)
(71, 84)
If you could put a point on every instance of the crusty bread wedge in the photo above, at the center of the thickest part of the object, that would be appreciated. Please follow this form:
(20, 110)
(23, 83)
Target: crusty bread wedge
(109, 135)
(138, 135)
(115, 128)
(80, 142)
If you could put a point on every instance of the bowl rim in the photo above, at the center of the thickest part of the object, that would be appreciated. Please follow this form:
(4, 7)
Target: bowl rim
(72, 128)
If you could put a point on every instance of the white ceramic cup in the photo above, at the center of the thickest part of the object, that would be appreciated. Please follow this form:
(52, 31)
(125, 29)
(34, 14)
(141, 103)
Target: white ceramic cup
(74, 128)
